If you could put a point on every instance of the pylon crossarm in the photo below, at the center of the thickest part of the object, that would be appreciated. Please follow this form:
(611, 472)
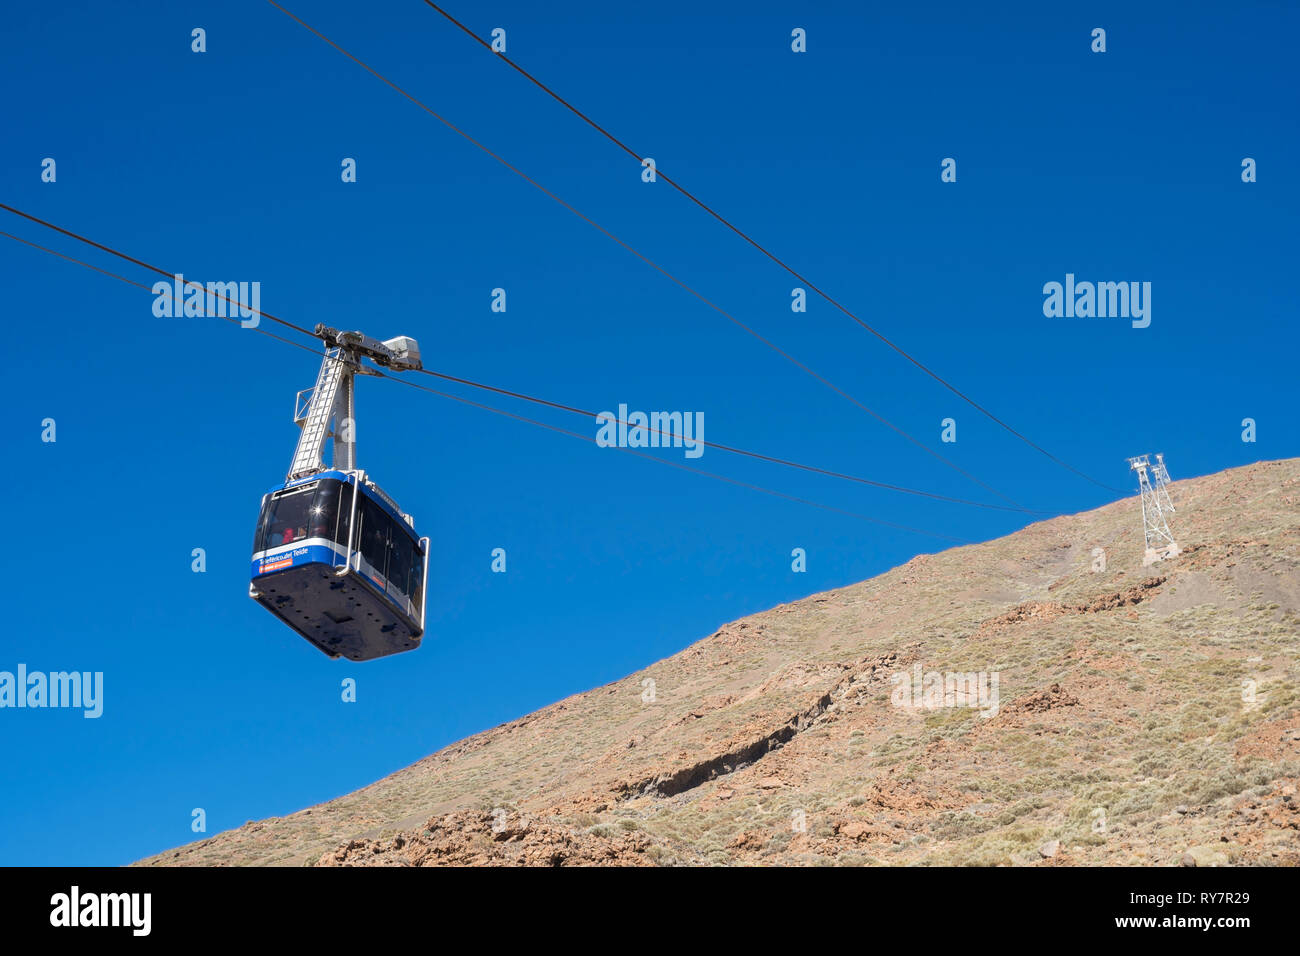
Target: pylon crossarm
(327, 411)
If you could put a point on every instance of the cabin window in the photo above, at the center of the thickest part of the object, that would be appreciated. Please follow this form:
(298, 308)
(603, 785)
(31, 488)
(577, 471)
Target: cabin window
(287, 518)
(345, 513)
(400, 554)
(259, 536)
(323, 516)
(374, 536)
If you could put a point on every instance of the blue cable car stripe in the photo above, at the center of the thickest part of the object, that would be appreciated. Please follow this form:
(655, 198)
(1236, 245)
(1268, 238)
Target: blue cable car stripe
(268, 564)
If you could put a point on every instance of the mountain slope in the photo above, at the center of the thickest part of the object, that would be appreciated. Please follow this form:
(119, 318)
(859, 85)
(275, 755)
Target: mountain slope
(1142, 716)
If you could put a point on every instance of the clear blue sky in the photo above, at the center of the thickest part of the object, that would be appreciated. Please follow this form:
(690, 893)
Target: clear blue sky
(226, 166)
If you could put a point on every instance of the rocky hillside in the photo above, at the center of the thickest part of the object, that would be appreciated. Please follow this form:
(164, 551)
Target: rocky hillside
(1011, 702)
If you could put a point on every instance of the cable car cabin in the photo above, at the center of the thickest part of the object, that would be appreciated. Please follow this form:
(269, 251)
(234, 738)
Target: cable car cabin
(335, 559)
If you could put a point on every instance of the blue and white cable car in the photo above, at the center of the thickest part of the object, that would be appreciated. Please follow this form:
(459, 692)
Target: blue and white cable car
(334, 557)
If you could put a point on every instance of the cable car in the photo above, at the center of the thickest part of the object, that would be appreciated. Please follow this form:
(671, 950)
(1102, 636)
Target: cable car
(334, 557)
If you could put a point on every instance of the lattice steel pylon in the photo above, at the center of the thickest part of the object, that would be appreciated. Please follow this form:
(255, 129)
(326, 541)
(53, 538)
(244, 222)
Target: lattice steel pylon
(1162, 484)
(1160, 541)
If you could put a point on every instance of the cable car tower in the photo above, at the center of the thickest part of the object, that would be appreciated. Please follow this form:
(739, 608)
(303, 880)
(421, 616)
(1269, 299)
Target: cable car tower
(334, 557)
(1160, 542)
(1162, 484)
